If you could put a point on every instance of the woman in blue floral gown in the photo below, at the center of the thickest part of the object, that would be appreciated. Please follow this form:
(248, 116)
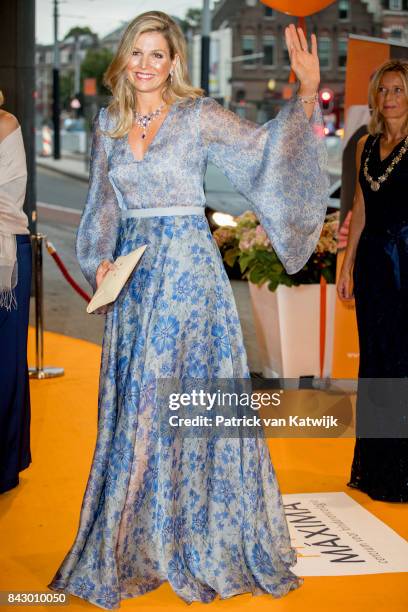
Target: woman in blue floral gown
(204, 514)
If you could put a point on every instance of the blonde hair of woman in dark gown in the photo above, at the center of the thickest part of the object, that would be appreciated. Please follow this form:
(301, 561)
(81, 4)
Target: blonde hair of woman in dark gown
(375, 272)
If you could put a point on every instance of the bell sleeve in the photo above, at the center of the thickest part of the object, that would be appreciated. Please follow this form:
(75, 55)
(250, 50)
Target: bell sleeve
(99, 225)
(280, 167)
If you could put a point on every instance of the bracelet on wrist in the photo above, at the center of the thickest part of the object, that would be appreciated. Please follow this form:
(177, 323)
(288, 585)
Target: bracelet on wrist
(309, 99)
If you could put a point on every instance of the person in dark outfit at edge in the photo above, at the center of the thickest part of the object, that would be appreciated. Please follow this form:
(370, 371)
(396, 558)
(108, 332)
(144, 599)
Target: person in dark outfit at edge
(376, 263)
(15, 283)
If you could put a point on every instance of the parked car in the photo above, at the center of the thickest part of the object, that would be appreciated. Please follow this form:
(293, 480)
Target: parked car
(74, 125)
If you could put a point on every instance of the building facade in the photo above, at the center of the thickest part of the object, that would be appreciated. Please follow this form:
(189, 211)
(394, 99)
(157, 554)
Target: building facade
(394, 17)
(261, 82)
(72, 51)
(249, 61)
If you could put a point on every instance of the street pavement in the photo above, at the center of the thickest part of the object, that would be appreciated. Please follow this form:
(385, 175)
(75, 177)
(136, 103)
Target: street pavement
(59, 189)
(64, 309)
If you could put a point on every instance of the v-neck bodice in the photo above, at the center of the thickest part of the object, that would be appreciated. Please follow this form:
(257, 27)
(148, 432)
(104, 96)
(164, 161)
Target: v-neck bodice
(156, 137)
(172, 169)
(393, 152)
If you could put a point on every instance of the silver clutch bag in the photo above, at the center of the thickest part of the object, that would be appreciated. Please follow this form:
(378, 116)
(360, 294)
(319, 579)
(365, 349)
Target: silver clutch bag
(114, 280)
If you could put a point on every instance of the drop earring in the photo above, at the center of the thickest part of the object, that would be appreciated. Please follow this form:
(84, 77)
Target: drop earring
(171, 76)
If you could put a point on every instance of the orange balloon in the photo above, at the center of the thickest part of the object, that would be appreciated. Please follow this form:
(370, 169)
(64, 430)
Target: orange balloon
(298, 8)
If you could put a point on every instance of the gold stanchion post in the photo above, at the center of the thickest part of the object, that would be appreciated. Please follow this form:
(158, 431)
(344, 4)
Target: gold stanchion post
(40, 372)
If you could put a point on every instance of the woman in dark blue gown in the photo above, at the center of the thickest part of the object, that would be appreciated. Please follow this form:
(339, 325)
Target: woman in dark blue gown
(376, 260)
(15, 282)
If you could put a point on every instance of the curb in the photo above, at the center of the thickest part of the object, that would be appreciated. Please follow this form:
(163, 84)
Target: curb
(52, 213)
(78, 175)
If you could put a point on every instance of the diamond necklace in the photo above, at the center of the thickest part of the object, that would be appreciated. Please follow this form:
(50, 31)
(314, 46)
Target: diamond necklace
(144, 121)
(376, 184)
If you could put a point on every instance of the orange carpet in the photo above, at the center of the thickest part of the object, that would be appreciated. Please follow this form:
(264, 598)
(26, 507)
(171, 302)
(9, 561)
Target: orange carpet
(38, 519)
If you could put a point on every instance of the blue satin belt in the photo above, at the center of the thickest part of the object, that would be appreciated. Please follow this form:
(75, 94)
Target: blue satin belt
(162, 211)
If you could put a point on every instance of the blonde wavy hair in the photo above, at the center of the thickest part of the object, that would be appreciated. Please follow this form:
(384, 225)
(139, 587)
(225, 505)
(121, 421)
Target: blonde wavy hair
(376, 124)
(1, 98)
(124, 95)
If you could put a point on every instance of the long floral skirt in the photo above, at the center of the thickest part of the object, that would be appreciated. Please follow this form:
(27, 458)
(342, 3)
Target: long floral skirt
(204, 514)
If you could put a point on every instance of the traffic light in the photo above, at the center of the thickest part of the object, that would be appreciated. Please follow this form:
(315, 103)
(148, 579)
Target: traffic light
(326, 97)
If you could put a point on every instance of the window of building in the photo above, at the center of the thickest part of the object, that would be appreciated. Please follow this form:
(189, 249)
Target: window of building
(342, 52)
(268, 50)
(344, 10)
(269, 12)
(64, 56)
(396, 33)
(395, 5)
(325, 47)
(285, 54)
(248, 48)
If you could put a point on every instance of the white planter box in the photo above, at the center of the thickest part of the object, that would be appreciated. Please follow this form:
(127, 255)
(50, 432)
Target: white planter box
(287, 324)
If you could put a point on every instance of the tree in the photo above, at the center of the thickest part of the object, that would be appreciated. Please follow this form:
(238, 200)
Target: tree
(191, 20)
(95, 63)
(66, 88)
(193, 17)
(79, 31)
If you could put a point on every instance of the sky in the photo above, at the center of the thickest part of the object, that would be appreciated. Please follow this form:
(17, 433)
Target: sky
(102, 16)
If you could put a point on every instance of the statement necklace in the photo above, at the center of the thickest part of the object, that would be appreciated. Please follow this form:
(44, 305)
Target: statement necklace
(376, 184)
(144, 121)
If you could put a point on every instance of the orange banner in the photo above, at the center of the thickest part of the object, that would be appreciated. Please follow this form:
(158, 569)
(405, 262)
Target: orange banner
(363, 59)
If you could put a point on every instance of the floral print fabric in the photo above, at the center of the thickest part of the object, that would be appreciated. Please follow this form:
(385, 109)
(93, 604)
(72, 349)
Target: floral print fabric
(205, 515)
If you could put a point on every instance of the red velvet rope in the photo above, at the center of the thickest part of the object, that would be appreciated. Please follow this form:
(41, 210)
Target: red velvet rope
(60, 264)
